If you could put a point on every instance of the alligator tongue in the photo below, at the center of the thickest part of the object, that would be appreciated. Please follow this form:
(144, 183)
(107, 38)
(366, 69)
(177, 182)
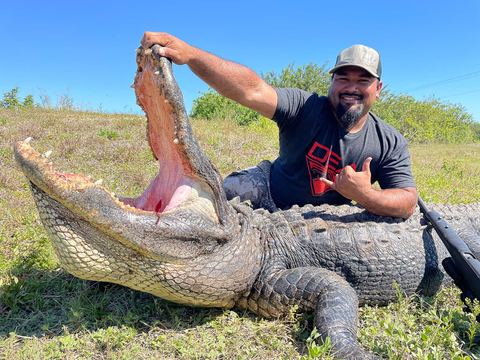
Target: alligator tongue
(171, 138)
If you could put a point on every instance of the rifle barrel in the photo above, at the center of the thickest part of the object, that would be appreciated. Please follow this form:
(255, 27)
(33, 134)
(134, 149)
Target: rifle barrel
(467, 264)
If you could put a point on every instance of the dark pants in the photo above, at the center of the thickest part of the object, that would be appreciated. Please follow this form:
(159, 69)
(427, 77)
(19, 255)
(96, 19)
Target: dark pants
(252, 184)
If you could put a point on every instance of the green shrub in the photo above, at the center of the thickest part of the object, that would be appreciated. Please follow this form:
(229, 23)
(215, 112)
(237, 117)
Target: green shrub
(11, 100)
(309, 77)
(475, 127)
(428, 120)
(212, 105)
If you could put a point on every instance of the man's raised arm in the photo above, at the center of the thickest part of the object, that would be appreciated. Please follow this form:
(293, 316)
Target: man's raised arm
(228, 78)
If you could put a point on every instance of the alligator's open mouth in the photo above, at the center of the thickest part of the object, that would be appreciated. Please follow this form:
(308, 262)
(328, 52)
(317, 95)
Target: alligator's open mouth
(186, 177)
(172, 188)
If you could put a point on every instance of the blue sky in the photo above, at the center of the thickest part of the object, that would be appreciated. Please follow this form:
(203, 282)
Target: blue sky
(85, 49)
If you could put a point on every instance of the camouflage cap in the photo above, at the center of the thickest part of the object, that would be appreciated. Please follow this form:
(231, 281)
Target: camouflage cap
(361, 56)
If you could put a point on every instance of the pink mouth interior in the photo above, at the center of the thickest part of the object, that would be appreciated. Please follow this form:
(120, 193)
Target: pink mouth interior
(154, 199)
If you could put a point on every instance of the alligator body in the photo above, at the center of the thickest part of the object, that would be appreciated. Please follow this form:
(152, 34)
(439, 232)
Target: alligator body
(183, 241)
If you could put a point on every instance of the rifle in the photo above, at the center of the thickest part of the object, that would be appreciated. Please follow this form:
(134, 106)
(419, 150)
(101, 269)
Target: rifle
(462, 266)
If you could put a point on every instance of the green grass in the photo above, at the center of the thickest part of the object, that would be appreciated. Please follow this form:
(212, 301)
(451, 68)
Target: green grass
(45, 313)
(447, 173)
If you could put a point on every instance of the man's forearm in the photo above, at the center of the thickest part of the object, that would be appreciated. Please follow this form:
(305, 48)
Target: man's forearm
(399, 203)
(228, 78)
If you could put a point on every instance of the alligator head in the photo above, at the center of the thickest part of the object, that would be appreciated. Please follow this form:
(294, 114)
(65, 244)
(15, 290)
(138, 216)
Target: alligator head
(181, 224)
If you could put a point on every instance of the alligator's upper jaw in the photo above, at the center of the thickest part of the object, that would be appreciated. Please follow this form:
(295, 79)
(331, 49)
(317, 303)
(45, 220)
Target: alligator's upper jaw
(182, 161)
(187, 181)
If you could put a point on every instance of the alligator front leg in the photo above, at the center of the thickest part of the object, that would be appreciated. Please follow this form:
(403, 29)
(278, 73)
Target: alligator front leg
(333, 299)
(336, 315)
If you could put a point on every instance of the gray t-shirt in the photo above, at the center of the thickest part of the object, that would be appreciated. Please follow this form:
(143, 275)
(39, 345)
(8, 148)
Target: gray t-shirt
(314, 145)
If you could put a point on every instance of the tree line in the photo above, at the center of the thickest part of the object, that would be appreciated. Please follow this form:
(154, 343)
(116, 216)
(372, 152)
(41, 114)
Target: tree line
(427, 120)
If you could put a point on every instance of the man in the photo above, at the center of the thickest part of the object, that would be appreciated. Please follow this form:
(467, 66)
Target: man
(331, 148)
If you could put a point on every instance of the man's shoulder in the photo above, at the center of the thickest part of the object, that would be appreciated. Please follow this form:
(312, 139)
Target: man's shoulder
(295, 94)
(293, 103)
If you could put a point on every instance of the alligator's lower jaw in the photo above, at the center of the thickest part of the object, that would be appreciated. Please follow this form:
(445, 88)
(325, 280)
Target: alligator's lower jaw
(69, 189)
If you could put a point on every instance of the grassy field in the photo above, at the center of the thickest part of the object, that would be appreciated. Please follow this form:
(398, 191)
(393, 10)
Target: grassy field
(46, 313)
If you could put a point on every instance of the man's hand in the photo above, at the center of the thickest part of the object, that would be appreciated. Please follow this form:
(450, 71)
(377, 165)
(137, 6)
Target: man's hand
(389, 202)
(179, 51)
(351, 184)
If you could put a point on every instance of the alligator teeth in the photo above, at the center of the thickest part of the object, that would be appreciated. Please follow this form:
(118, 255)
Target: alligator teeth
(50, 164)
(47, 154)
(89, 178)
(98, 182)
(113, 194)
(175, 141)
(148, 51)
(138, 51)
(157, 72)
(167, 101)
(27, 140)
(132, 86)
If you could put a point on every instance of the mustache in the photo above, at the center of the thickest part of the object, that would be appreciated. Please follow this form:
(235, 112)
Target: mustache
(360, 96)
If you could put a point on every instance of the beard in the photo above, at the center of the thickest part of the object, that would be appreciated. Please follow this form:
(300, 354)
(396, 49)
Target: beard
(348, 116)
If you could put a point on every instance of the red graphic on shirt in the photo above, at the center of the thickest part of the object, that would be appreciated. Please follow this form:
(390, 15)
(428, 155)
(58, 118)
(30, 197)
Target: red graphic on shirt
(322, 162)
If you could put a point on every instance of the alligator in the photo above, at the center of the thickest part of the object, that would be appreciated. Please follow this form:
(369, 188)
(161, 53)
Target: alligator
(183, 241)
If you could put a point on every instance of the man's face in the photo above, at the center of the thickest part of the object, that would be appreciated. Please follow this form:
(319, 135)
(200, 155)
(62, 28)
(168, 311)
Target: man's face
(352, 94)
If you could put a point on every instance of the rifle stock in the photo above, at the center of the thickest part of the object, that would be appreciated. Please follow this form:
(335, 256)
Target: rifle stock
(465, 268)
